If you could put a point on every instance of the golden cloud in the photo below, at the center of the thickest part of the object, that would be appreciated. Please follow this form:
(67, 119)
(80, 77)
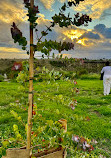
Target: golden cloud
(73, 34)
(13, 55)
(41, 20)
(10, 53)
(62, 1)
(81, 42)
(10, 50)
(10, 13)
(94, 8)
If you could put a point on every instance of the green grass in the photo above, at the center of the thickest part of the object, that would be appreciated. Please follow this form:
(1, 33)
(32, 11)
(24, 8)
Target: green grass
(50, 96)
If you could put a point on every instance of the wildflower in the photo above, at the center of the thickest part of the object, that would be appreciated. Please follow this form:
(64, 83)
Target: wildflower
(75, 102)
(72, 107)
(32, 105)
(33, 112)
(87, 118)
(75, 138)
(82, 140)
(75, 82)
(91, 148)
(17, 101)
(17, 66)
(32, 132)
(94, 141)
(77, 90)
(43, 140)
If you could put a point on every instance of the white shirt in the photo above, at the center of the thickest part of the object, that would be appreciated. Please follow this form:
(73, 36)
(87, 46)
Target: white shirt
(106, 70)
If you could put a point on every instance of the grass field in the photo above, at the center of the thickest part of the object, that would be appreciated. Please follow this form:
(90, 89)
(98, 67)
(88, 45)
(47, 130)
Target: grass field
(91, 118)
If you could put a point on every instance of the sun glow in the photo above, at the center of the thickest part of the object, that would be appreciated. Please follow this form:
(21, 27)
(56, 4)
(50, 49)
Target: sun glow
(73, 34)
(81, 42)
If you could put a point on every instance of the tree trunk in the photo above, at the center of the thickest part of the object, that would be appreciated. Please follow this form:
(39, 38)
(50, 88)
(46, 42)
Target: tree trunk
(29, 126)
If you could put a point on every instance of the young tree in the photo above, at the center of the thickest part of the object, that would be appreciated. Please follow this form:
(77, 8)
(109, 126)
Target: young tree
(45, 46)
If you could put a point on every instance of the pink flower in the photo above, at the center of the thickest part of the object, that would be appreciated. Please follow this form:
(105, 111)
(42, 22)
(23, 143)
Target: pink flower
(72, 107)
(17, 66)
(94, 141)
(77, 90)
(75, 101)
(75, 82)
(91, 148)
(75, 138)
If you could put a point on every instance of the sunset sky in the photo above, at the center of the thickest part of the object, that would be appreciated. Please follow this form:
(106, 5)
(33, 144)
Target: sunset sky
(92, 41)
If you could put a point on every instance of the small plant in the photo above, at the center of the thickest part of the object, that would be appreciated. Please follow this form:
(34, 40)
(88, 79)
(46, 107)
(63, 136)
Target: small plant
(1, 78)
(81, 72)
(48, 75)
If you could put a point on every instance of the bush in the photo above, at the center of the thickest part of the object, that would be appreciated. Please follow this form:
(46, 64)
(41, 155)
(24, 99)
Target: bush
(68, 74)
(90, 76)
(1, 78)
(81, 72)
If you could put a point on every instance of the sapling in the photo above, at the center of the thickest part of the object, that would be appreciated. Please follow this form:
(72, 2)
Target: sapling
(45, 47)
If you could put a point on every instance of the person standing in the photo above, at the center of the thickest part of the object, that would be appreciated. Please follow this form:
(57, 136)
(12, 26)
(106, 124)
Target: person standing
(106, 72)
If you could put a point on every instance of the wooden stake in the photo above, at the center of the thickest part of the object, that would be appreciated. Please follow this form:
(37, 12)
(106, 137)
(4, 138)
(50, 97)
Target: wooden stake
(29, 127)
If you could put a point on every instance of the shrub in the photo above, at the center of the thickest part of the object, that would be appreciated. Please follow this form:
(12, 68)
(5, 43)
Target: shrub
(90, 76)
(81, 72)
(68, 74)
(1, 78)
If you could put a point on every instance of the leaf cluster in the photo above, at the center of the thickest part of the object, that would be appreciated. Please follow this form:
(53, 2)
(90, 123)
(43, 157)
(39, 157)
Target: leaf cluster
(17, 36)
(32, 12)
(46, 46)
(64, 21)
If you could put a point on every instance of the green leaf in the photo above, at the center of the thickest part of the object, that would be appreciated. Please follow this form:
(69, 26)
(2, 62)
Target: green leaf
(44, 33)
(5, 143)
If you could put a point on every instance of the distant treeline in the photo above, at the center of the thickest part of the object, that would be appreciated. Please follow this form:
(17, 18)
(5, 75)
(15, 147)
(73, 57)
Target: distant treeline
(71, 64)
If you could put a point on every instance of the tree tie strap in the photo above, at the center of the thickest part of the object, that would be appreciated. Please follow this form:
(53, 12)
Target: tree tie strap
(31, 92)
(31, 78)
(30, 124)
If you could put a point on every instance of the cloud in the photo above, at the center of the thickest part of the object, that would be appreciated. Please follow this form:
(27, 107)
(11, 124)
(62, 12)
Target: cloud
(107, 44)
(62, 1)
(94, 8)
(6, 49)
(90, 35)
(12, 11)
(70, 33)
(101, 28)
(42, 20)
(105, 14)
(6, 52)
(48, 3)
